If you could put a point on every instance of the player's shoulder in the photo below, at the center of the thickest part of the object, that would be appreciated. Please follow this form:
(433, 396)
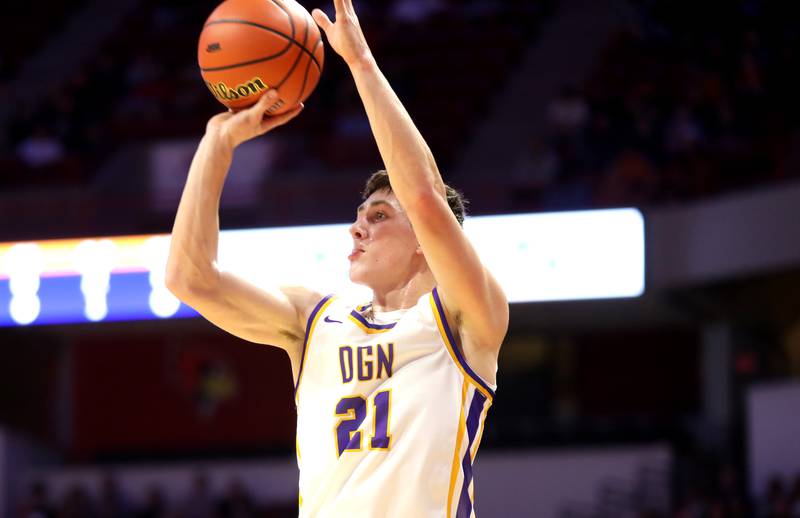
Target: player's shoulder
(309, 303)
(304, 299)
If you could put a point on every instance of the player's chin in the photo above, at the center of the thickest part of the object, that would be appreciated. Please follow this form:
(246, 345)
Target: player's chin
(356, 275)
(361, 274)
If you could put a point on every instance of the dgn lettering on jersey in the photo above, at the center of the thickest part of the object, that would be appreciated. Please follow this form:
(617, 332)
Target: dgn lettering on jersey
(367, 362)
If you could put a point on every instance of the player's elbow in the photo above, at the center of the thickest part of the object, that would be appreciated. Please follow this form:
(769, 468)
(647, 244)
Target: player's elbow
(177, 284)
(184, 284)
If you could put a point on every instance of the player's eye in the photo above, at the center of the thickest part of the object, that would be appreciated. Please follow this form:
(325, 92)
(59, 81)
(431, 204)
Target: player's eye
(379, 215)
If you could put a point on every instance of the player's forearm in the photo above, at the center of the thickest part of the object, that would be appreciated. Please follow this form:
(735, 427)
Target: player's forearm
(193, 250)
(407, 157)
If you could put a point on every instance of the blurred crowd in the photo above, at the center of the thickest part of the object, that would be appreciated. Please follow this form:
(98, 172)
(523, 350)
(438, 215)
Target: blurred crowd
(726, 497)
(111, 502)
(699, 99)
(723, 495)
(679, 106)
(144, 84)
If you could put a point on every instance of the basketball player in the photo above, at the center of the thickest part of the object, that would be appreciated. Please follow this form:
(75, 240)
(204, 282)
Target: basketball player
(391, 393)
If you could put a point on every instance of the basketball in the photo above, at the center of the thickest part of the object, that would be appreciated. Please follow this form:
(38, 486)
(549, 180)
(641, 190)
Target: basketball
(250, 46)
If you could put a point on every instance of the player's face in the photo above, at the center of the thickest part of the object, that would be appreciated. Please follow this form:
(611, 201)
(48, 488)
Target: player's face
(385, 250)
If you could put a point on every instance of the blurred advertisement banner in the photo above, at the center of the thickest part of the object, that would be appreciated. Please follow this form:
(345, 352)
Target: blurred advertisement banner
(536, 257)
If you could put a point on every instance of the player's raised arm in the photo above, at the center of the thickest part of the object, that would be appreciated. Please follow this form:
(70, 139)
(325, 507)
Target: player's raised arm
(270, 317)
(470, 292)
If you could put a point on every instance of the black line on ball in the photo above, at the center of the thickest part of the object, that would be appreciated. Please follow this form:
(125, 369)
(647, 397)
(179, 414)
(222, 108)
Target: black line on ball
(296, 61)
(264, 27)
(288, 16)
(305, 82)
(251, 62)
(305, 74)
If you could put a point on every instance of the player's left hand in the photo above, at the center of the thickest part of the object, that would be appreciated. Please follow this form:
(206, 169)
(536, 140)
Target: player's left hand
(236, 127)
(345, 35)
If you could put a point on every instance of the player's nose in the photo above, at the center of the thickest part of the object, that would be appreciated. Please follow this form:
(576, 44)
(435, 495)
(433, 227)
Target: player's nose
(357, 231)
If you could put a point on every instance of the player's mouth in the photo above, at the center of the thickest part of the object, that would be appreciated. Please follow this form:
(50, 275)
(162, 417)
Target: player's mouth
(355, 253)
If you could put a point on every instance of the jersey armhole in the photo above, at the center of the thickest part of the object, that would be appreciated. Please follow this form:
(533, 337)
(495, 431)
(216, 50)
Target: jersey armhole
(313, 318)
(449, 340)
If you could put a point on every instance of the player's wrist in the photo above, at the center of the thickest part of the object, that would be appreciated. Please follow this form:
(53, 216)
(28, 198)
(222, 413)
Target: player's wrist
(362, 62)
(220, 139)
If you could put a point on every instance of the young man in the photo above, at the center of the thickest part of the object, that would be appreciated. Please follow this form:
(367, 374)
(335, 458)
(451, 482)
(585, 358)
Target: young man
(391, 395)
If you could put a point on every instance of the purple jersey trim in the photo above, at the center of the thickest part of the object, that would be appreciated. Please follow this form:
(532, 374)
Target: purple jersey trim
(360, 318)
(309, 325)
(455, 348)
(464, 509)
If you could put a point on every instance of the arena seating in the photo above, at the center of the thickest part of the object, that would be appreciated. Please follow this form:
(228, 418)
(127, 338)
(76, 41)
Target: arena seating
(681, 108)
(25, 31)
(159, 93)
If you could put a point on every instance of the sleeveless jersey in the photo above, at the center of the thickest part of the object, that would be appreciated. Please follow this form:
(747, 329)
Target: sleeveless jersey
(389, 414)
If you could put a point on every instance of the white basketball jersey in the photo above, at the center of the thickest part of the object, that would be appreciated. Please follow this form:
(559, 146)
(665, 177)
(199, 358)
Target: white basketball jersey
(389, 415)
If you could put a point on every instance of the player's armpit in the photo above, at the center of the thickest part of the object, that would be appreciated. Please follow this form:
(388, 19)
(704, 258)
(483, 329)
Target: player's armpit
(274, 317)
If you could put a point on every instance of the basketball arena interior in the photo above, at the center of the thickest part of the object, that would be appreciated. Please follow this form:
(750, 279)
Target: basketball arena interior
(633, 171)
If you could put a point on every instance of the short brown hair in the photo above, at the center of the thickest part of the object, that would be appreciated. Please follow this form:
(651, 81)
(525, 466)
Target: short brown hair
(379, 181)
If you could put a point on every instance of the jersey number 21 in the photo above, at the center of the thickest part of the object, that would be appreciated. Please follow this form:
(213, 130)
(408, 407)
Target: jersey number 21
(351, 412)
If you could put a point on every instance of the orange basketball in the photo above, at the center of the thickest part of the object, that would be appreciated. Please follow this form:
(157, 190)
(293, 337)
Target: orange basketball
(250, 46)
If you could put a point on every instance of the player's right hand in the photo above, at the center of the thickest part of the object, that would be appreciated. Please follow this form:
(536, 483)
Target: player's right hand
(241, 126)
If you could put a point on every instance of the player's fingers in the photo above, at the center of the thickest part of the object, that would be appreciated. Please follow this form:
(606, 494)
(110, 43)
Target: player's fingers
(273, 122)
(322, 19)
(341, 8)
(256, 112)
(347, 5)
(265, 101)
(269, 97)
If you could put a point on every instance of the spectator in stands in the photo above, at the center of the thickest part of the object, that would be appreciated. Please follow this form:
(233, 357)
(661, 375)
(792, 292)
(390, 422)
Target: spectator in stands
(776, 504)
(198, 503)
(630, 179)
(568, 113)
(154, 506)
(694, 505)
(166, 17)
(112, 503)
(76, 504)
(143, 70)
(416, 11)
(684, 132)
(41, 148)
(351, 142)
(236, 503)
(147, 88)
(794, 498)
(730, 493)
(535, 170)
(37, 503)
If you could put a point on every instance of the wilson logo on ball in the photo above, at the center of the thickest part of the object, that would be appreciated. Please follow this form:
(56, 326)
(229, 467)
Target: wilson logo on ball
(275, 40)
(225, 93)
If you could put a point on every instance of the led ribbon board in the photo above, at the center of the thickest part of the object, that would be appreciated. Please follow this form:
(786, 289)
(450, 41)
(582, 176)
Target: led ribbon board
(536, 257)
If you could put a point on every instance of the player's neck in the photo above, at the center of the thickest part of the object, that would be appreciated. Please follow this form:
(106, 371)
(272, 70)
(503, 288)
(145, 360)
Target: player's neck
(403, 296)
